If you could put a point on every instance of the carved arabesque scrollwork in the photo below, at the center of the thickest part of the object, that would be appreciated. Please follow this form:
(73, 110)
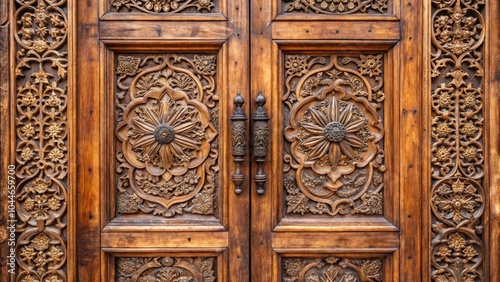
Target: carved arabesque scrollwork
(332, 269)
(166, 129)
(333, 111)
(165, 269)
(164, 6)
(41, 139)
(457, 194)
(341, 7)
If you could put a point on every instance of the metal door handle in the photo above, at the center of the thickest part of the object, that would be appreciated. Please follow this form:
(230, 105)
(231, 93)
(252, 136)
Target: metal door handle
(239, 132)
(260, 141)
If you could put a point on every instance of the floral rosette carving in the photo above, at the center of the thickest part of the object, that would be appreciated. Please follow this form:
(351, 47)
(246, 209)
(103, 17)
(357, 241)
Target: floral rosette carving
(166, 135)
(334, 131)
(342, 7)
(168, 269)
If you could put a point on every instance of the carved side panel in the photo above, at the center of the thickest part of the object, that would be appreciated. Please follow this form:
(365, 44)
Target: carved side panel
(165, 269)
(336, 7)
(41, 139)
(334, 146)
(166, 128)
(165, 6)
(457, 195)
(332, 269)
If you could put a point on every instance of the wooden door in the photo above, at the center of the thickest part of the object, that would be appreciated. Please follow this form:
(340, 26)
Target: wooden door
(154, 140)
(340, 202)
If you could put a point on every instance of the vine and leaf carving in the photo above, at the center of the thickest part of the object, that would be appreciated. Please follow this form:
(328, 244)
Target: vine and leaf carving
(163, 6)
(165, 269)
(333, 113)
(332, 269)
(167, 135)
(457, 194)
(41, 139)
(341, 7)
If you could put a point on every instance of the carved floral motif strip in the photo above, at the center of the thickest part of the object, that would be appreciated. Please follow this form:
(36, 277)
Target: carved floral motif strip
(166, 269)
(342, 7)
(166, 127)
(41, 139)
(164, 6)
(334, 147)
(457, 193)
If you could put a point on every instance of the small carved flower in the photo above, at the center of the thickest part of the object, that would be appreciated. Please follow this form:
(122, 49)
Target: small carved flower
(470, 253)
(204, 4)
(53, 204)
(119, 3)
(296, 65)
(53, 101)
(443, 253)
(28, 130)
(40, 210)
(53, 278)
(27, 253)
(55, 155)
(40, 45)
(204, 64)
(456, 242)
(161, 5)
(42, 77)
(55, 254)
(443, 129)
(54, 130)
(29, 278)
(41, 261)
(444, 99)
(29, 204)
(443, 154)
(40, 185)
(127, 266)
(27, 154)
(41, 242)
(127, 65)
(470, 99)
(470, 153)
(28, 100)
(379, 5)
(469, 129)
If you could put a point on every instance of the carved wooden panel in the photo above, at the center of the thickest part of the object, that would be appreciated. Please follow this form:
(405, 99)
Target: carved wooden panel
(340, 7)
(166, 128)
(332, 269)
(41, 139)
(334, 146)
(457, 195)
(164, 6)
(165, 269)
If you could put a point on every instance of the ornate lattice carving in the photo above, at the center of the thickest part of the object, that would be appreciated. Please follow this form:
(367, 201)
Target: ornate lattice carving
(457, 195)
(336, 6)
(165, 269)
(334, 158)
(166, 129)
(41, 139)
(164, 6)
(332, 269)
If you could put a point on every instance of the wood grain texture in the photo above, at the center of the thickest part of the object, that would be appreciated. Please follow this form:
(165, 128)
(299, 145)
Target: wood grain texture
(492, 100)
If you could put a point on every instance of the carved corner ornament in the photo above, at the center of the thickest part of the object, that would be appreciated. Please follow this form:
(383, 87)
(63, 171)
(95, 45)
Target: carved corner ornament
(335, 134)
(166, 133)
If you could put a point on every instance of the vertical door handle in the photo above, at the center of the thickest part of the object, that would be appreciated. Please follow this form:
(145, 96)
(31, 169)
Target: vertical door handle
(239, 132)
(260, 141)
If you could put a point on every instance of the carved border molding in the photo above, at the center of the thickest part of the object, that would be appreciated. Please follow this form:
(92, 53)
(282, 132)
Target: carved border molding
(457, 161)
(41, 145)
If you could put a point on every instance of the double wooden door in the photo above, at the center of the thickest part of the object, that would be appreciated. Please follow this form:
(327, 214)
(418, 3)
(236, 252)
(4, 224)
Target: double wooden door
(248, 140)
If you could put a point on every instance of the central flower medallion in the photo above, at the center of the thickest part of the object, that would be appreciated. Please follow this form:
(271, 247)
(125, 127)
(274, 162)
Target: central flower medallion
(164, 134)
(335, 131)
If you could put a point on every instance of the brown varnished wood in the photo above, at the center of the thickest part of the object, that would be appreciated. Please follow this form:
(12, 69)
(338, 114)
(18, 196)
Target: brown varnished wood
(491, 101)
